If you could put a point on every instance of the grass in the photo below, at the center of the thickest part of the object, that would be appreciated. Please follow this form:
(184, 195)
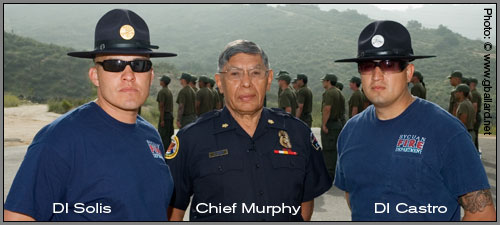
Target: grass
(493, 130)
(10, 100)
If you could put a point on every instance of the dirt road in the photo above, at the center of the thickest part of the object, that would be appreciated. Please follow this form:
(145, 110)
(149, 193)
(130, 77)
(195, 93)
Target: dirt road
(22, 123)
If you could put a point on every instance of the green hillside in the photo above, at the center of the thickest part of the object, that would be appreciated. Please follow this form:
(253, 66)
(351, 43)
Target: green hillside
(300, 39)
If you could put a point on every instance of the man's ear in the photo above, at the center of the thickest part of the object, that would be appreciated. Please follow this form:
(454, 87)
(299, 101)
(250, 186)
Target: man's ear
(152, 77)
(409, 72)
(269, 80)
(218, 81)
(93, 76)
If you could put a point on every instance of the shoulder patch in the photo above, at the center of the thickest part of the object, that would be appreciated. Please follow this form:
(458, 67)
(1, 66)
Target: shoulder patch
(173, 148)
(314, 142)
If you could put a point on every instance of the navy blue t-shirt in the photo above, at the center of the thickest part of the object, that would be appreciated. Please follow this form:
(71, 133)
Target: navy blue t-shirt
(87, 165)
(411, 167)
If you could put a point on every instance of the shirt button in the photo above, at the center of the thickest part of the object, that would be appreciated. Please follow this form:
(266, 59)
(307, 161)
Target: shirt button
(261, 193)
(257, 165)
(220, 168)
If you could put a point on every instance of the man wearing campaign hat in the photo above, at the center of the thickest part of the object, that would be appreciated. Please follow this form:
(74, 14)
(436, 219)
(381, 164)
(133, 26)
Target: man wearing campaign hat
(333, 111)
(100, 161)
(356, 100)
(418, 88)
(455, 79)
(186, 112)
(165, 101)
(304, 100)
(405, 158)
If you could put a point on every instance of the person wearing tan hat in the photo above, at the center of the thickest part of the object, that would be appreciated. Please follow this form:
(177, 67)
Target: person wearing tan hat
(100, 161)
(405, 158)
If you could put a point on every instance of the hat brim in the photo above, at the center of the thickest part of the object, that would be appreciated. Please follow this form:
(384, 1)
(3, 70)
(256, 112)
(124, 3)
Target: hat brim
(92, 54)
(409, 58)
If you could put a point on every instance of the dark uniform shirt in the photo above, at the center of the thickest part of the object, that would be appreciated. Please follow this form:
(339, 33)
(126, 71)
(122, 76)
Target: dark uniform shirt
(187, 97)
(476, 98)
(215, 96)
(335, 99)
(453, 101)
(465, 107)
(288, 99)
(165, 96)
(305, 96)
(228, 166)
(418, 90)
(206, 99)
(356, 100)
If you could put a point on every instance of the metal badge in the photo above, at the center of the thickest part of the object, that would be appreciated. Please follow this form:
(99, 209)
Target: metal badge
(377, 41)
(225, 125)
(218, 153)
(127, 32)
(270, 121)
(284, 139)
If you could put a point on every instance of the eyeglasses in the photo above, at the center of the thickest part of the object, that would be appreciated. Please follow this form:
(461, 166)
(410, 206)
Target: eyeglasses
(235, 74)
(117, 65)
(387, 66)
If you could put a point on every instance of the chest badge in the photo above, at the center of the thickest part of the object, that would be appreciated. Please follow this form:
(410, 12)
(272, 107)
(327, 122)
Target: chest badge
(154, 148)
(284, 139)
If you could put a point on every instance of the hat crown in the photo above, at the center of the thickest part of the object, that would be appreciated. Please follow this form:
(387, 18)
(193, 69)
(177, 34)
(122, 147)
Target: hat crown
(121, 28)
(382, 38)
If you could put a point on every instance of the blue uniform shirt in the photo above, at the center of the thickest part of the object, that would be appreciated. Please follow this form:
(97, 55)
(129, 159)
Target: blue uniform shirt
(88, 166)
(412, 167)
(218, 163)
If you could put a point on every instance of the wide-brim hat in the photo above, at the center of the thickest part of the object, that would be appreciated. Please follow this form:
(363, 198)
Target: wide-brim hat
(121, 31)
(384, 40)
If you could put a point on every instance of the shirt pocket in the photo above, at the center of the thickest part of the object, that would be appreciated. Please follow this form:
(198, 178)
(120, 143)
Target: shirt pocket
(214, 176)
(405, 172)
(289, 171)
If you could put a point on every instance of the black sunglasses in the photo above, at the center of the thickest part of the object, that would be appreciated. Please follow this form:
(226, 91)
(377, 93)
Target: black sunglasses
(387, 66)
(117, 65)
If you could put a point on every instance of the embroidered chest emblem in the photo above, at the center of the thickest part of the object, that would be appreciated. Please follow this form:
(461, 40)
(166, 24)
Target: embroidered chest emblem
(155, 149)
(410, 143)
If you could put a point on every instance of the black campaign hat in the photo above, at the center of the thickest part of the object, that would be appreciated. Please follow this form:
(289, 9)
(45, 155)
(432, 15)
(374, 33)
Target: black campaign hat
(384, 40)
(121, 31)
